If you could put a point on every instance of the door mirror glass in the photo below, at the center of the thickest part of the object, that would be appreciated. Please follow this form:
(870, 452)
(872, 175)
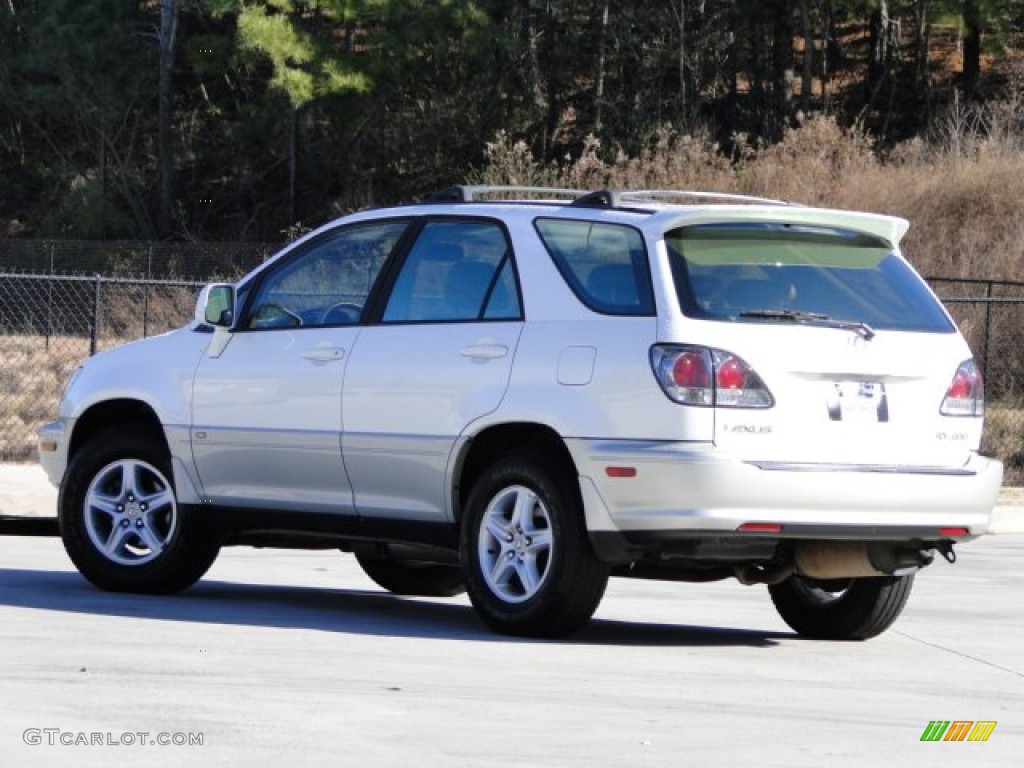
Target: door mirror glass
(216, 305)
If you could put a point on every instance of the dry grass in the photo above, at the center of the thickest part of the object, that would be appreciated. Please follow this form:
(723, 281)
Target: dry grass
(1004, 437)
(960, 190)
(32, 374)
(33, 368)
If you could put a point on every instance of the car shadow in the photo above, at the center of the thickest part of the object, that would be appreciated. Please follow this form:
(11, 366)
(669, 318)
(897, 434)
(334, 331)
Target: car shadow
(17, 525)
(337, 610)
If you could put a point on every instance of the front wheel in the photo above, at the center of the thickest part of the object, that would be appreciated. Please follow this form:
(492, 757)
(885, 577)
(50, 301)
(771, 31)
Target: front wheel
(120, 520)
(530, 569)
(848, 609)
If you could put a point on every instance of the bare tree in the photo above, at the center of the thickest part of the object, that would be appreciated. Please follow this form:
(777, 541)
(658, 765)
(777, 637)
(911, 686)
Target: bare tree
(165, 136)
(782, 68)
(972, 47)
(599, 75)
(808, 59)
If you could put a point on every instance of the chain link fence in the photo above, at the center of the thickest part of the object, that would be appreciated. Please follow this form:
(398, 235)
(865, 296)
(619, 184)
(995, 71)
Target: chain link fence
(990, 314)
(48, 323)
(63, 300)
(133, 258)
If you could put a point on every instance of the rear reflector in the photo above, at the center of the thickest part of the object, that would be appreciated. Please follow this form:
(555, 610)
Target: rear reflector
(620, 471)
(760, 528)
(953, 532)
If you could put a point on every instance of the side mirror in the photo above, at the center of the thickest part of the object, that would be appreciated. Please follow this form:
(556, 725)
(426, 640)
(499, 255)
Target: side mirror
(216, 305)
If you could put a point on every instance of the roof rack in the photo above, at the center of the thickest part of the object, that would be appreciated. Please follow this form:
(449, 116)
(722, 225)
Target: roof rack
(469, 194)
(622, 198)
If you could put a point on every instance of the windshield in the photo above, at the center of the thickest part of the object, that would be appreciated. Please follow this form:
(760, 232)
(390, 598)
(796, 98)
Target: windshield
(774, 273)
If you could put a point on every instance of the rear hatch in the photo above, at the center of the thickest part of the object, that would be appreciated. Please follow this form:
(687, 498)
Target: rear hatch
(856, 360)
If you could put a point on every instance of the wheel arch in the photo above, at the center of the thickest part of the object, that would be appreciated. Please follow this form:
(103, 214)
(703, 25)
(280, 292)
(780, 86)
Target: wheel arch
(498, 440)
(119, 412)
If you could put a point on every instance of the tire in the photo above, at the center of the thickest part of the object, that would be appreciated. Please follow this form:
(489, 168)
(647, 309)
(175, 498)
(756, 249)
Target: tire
(529, 566)
(120, 520)
(408, 578)
(851, 609)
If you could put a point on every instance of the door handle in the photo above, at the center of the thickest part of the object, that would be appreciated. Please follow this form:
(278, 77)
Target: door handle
(321, 355)
(483, 352)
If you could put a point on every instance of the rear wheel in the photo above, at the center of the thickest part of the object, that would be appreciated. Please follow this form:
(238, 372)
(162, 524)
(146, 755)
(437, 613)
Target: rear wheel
(530, 569)
(412, 578)
(846, 609)
(120, 520)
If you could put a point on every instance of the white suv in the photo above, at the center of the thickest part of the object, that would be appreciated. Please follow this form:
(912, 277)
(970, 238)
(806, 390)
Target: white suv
(521, 397)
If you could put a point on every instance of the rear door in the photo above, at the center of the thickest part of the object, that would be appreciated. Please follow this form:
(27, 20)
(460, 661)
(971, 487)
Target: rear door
(438, 358)
(855, 350)
(841, 398)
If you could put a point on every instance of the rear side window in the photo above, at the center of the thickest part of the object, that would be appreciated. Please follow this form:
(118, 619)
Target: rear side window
(776, 272)
(605, 265)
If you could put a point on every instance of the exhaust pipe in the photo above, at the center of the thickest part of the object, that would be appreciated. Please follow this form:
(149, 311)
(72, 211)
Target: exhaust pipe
(763, 574)
(857, 559)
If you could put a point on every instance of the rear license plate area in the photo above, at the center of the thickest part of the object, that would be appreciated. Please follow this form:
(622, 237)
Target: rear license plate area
(858, 402)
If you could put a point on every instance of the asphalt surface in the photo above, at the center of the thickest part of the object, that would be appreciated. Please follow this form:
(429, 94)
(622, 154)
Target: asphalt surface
(295, 658)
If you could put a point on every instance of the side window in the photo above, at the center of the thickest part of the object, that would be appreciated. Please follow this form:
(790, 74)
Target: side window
(456, 270)
(504, 301)
(605, 265)
(327, 284)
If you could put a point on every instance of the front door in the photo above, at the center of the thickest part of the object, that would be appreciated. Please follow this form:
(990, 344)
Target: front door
(267, 410)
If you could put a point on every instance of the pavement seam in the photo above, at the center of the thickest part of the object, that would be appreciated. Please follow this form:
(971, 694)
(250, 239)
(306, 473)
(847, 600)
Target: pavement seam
(961, 654)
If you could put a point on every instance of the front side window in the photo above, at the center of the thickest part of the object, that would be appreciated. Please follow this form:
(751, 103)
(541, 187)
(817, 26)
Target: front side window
(605, 265)
(328, 283)
(757, 272)
(456, 271)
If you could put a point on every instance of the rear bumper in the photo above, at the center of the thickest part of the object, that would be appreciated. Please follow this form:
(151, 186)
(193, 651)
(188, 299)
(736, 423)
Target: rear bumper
(681, 489)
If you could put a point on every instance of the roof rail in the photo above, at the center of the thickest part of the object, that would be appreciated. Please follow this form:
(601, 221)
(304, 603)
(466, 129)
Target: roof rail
(469, 194)
(622, 198)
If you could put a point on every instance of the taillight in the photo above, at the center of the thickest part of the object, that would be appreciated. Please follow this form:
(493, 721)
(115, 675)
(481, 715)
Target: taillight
(691, 371)
(731, 374)
(685, 373)
(703, 376)
(966, 393)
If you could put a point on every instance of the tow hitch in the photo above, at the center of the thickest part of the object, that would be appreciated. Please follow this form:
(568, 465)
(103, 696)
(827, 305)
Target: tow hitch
(946, 550)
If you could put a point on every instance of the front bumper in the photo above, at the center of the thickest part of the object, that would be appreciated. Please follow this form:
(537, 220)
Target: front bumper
(649, 489)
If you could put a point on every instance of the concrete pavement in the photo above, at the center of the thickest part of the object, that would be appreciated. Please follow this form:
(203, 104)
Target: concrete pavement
(279, 656)
(295, 658)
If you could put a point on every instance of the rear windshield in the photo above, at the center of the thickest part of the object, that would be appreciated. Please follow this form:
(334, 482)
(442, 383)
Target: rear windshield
(778, 273)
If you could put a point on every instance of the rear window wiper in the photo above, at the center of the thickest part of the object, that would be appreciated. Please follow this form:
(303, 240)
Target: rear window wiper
(796, 316)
